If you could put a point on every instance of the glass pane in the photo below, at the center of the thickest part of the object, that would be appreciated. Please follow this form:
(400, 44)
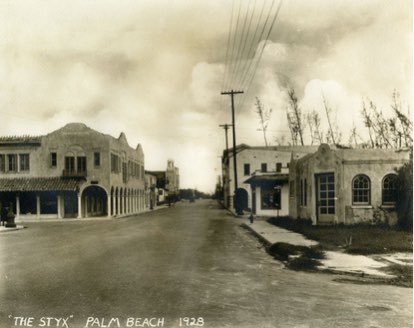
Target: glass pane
(331, 210)
(331, 178)
(323, 210)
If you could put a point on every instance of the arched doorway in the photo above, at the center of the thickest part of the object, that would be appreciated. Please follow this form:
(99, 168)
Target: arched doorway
(95, 200)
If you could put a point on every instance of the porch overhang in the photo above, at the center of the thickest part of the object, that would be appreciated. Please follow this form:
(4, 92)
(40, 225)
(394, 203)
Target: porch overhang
(39, 184)
(268, 180)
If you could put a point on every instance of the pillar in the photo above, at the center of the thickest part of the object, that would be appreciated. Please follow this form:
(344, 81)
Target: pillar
(108, 201)
(59, 206)
(38, 205)
(79, 206)
(17, 206)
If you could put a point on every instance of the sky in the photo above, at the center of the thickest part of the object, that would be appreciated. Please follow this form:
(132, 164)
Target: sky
(155, 70)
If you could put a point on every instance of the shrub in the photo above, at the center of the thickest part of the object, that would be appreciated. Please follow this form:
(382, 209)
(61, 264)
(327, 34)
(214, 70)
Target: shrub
(303, 263)
(282, 251)
(404, 205)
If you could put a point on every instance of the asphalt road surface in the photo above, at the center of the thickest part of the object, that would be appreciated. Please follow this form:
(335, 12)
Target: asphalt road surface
(192, 260)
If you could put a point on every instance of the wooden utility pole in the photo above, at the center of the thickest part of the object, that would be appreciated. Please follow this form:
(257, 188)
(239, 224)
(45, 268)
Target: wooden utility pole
(232, 93)
(226, 127)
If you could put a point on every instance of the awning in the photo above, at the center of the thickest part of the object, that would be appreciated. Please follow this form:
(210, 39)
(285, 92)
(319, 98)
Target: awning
(39, 184)
(273, 178)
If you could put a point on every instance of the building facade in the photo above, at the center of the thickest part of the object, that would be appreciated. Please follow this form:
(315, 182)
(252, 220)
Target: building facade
(74, 171)
(345, 185)
(168, 183)
(261, 177)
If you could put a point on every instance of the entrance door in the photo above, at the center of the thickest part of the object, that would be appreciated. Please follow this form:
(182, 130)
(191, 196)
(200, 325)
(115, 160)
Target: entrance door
(325, 197)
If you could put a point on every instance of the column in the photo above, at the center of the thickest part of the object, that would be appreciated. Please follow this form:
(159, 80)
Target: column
(108, 201)
(59, 205)
(17, 206)
(79, 206)
(38, 205)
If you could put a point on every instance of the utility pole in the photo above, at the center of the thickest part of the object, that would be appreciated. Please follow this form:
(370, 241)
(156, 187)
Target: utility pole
(232, 93)
(226, 127)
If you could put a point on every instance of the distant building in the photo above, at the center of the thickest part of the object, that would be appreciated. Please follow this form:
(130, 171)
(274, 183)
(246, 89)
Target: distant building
(262, 174)
(74, 171)
(168, 183)
(345, 185)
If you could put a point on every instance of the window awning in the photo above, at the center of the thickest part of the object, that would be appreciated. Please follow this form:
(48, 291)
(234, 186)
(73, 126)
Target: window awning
(269, 178)
(39, 184)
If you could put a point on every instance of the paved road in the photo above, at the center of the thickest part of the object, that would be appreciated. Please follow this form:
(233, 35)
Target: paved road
(191, 260)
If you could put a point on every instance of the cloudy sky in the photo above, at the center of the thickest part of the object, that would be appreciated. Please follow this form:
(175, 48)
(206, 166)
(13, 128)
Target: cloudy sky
(154, 69)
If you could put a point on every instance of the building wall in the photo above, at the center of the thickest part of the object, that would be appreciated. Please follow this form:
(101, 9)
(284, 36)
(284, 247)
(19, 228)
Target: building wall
(345, 165)
(78, 140)
(255, 156)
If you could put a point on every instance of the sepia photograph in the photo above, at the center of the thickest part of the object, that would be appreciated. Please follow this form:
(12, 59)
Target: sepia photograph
(206, 163)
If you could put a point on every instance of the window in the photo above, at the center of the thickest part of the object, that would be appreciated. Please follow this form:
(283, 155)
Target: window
(292, 188)
(24, 162)
(81, 162)
(361, 190)
(69, 164)
(53, 159)
(246, 169)
(389, 189)
(278, 167)
(97, 159)
(12, 162)
(271, 198)
(264, 167)
(2, 163)
(114, 163)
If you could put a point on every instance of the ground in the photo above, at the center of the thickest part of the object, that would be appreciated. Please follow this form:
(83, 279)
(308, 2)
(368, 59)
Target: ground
(190, 260)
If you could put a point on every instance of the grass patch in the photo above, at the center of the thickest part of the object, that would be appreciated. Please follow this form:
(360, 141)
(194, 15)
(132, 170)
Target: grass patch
(404, 274)
(361, 239)
(297, 257)
(303, 263)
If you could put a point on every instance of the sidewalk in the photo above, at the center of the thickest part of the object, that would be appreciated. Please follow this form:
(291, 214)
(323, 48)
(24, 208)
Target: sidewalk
(334, 261)
(4, 229)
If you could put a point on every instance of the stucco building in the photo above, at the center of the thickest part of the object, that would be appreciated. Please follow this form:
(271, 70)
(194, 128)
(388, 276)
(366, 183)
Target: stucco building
(345, 185)
(168, 183)
(262, 174)
(74, 171)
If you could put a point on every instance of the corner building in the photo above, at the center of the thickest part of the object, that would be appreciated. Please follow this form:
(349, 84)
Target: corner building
(73, 172)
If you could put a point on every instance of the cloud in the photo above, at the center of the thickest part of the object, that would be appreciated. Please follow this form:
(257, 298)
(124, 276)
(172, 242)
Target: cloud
(154, 70)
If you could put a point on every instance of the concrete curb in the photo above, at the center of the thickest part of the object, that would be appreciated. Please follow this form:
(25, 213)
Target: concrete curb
(258, 235)
(18, 227)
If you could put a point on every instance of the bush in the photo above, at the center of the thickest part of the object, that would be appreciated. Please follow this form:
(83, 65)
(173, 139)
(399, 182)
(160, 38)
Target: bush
(404, 205)
(282, 251)
(303, 263)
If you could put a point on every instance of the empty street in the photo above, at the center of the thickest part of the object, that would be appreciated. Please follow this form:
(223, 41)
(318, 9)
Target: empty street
(188, 265)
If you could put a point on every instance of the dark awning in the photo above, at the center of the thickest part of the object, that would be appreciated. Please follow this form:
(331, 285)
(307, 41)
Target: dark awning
(273, 178)
(40, 184)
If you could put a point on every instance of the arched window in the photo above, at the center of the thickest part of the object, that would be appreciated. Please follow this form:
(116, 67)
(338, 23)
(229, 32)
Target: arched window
(361, 190)
(389, 189)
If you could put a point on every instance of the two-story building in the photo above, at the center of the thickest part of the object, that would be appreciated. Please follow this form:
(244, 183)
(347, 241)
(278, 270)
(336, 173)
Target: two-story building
(345, 186)
(262, 177)
(74, 171)
(168, 183)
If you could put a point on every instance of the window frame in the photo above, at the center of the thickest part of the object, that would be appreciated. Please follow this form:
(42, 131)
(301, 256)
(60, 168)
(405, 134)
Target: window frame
(97, 159)
(361, 192)
(246, 169)
(24, 166)
(53, 159)
(389, 203)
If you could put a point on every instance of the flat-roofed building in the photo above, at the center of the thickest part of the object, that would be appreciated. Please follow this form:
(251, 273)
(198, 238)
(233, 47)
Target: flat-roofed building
(74, 171)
